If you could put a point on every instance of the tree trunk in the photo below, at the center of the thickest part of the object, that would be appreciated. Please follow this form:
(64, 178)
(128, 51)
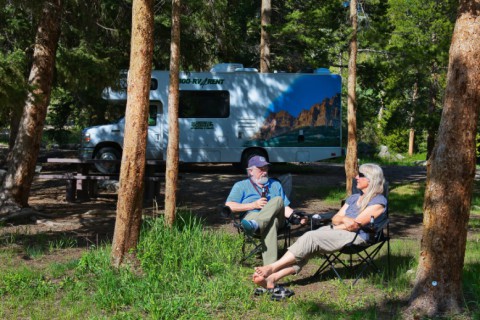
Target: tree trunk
(432, 127)
(380, 113)
(351, 160)
(132, 171)
(171, 174)
(23, 157)
(411, 141)
(450, 176)
(16, 116)
(411, 137)
(265, 37)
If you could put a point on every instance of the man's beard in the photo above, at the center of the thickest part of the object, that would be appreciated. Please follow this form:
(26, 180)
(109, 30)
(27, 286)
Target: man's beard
(262, 180)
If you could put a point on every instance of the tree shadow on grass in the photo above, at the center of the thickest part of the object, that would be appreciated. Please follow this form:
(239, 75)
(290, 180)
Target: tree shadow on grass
(388, 273)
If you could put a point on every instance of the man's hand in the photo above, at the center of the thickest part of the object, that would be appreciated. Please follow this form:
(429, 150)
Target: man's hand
(260, 203)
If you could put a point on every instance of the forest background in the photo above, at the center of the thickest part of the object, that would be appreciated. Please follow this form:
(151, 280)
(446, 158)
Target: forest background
(401, 68)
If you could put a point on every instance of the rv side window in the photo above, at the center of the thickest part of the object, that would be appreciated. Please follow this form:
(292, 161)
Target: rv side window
(204, 104)
(153, 84)
(152, 115)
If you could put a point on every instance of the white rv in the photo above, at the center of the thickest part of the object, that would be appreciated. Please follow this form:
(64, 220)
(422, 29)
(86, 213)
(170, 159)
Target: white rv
(229, 116)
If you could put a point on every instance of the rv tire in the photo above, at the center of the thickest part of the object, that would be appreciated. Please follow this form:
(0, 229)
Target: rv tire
(108, 153)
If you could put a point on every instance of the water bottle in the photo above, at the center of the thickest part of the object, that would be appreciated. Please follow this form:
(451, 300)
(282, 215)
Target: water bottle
(372, 223)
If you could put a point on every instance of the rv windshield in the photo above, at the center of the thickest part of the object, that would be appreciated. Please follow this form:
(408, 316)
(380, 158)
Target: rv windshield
(152, 117)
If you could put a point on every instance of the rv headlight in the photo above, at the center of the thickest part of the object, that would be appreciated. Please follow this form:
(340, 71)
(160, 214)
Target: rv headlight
(86, 137)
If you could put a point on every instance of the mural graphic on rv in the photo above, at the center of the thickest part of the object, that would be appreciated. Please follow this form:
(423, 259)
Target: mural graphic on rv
(301, 117)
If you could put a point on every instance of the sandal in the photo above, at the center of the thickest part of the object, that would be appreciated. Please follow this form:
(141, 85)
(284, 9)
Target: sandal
(281, 293)
(261, 290)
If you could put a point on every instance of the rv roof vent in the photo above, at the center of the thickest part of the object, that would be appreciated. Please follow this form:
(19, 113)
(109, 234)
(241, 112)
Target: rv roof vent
(246, 70)
(226, 67)
(322, 71)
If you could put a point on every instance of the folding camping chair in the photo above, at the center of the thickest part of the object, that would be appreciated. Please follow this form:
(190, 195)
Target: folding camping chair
(363, 255)
(252, 244)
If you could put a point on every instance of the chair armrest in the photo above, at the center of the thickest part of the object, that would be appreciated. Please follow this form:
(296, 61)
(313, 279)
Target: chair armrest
(320, 219)
(225, 211)
(375, 232)
(375, 229)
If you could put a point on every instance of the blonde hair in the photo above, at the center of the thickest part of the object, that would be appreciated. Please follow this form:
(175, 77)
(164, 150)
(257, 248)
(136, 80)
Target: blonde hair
(374, 174)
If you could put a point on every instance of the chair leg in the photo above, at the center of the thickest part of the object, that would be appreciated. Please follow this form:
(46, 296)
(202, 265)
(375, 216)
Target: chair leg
(388, 259)
(254, 251)
(367, 261)
(257, 248)
(329, 262)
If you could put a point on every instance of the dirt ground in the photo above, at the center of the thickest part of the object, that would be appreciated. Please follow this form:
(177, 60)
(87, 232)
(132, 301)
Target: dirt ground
(202, 188)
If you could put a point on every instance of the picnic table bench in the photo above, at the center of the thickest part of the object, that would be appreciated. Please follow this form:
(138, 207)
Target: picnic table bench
(81, 184)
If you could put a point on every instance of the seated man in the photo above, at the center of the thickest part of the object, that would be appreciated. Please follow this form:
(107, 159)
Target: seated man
(265, 204)
(357, 211)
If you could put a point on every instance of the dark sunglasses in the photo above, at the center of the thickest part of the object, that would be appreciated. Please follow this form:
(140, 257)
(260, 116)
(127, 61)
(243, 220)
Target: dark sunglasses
(361, 175)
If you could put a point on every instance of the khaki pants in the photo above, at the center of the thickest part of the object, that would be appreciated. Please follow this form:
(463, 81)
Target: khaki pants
(269, 219)
(322, 240)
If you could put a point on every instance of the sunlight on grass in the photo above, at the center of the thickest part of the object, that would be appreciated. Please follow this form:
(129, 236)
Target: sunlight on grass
(330, 196)
(408, 160)
(476, 198)
(407, 199)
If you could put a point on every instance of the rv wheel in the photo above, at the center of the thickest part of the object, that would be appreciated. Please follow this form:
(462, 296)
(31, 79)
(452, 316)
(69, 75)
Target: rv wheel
(108, 153)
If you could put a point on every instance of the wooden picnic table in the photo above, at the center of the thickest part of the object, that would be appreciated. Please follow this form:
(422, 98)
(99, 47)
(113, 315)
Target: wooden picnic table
(81, 182)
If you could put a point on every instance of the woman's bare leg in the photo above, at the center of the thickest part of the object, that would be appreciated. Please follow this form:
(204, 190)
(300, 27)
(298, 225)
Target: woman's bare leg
(287, 260)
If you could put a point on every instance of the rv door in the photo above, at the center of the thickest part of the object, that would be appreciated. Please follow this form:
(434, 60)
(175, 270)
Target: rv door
(155, 132)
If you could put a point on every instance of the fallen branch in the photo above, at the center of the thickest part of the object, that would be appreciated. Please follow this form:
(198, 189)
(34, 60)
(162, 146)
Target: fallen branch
(21, 214)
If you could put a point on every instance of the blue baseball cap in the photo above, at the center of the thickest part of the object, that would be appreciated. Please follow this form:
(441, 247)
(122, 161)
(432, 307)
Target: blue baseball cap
(257, 161)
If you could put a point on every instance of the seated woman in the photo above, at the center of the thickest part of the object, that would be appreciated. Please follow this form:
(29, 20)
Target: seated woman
(356, 212)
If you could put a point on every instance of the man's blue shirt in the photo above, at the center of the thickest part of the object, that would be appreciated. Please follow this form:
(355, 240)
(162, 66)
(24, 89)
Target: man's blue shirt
(246, 191)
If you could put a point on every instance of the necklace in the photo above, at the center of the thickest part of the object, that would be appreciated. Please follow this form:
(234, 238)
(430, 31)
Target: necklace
(263, 191)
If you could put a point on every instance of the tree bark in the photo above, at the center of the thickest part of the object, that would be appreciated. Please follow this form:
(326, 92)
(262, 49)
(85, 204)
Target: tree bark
(265, 37)
(450, 176)
(23, 157)
(432, 106)
(16, 116)
(171, 173)
(351, 160)
(411, 141)
(411, 136)
(132, 171)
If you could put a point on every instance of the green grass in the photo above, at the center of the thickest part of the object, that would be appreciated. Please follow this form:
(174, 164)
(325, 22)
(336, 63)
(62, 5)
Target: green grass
(328, 195)
(407, 199)
(412, 160)
(190, 272)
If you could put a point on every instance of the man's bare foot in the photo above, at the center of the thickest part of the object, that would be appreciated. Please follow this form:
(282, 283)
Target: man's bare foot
(267, 283)
(264, 271)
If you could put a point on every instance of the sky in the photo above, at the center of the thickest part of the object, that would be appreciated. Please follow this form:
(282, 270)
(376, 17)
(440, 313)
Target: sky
(305, 92)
